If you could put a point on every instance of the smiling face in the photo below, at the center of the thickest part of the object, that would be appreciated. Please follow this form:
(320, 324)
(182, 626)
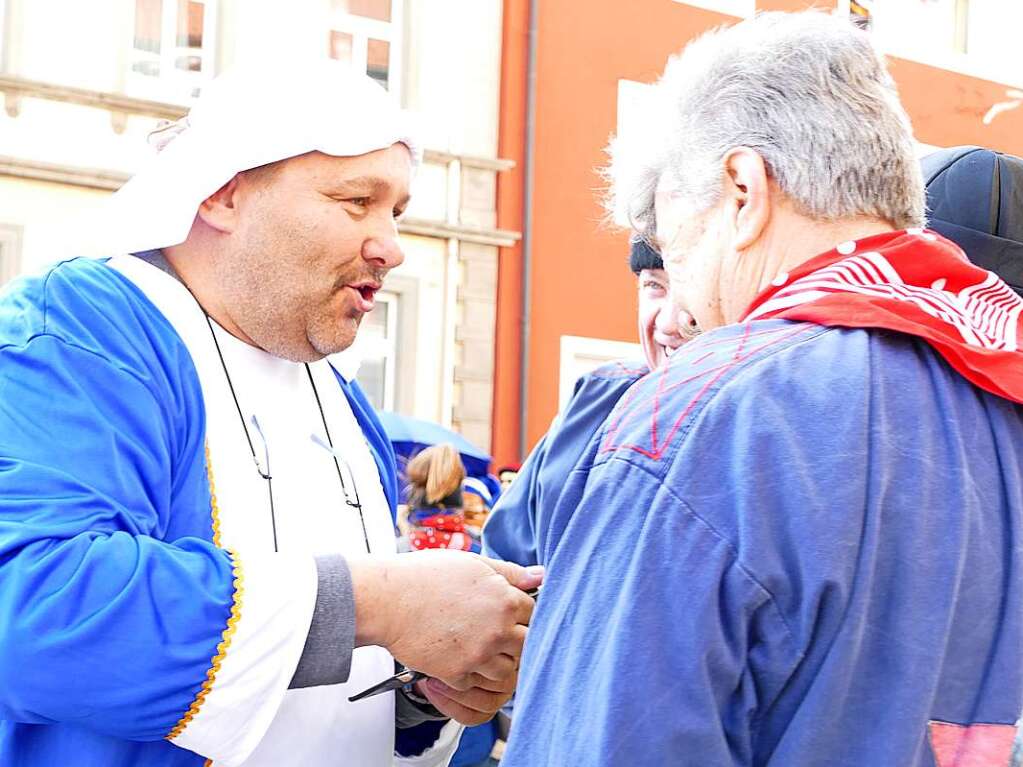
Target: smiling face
(315, 237)
(659, 331)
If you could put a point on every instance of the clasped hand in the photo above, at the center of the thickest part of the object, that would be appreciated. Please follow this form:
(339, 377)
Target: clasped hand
(457, 617)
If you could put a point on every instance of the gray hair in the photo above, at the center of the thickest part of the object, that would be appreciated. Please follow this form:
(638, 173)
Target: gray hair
(807, 91)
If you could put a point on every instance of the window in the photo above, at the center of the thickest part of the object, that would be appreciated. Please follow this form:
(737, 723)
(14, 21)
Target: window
(933, 23)
(10, 252)
(366, 34)
(974, 37)
(172, 48)
(378, 344)
(989, 30)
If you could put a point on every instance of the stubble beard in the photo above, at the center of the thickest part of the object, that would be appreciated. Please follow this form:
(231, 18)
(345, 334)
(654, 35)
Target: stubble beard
(328, 332)
(287, 314)
(265, 305)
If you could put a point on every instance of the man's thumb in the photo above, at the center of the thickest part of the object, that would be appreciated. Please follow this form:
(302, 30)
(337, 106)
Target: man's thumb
(524, 578)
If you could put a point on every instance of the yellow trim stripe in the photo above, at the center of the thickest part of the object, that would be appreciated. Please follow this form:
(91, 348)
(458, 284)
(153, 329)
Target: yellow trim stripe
(232, 621)
(214, 508)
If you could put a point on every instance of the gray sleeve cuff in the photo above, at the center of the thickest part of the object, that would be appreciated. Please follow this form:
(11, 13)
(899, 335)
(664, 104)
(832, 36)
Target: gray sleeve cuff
(327, 655)
(409, 712)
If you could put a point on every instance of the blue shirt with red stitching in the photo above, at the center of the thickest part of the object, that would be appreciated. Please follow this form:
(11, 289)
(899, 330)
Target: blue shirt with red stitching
(793, 545)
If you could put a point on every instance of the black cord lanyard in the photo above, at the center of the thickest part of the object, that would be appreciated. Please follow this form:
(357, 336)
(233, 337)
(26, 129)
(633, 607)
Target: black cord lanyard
(248, 438)
(356, 504)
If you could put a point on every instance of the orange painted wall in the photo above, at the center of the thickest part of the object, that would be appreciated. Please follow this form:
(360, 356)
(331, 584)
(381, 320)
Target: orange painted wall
(794, 5)
(947, 108)
(580, 284)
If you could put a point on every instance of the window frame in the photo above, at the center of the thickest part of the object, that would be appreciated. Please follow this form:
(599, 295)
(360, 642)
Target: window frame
(632, 100)
(4, 42)
(392, 300)
(405, 289)
(173, 84)
(363, 29)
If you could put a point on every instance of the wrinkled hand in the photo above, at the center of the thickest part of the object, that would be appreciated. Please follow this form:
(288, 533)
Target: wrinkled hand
(457, 617)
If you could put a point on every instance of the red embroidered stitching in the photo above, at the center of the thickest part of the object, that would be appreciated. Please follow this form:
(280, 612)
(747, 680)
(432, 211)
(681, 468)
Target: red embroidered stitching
(627, 411)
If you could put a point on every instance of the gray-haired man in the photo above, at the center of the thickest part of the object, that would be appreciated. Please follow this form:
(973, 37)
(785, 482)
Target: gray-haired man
(797, 543)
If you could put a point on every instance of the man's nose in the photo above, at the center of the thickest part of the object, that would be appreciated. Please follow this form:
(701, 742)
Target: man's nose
(383, 252)
(670, 326)
(667, 321)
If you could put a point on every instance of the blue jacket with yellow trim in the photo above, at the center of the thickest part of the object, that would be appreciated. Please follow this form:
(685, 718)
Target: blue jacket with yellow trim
(113, 597)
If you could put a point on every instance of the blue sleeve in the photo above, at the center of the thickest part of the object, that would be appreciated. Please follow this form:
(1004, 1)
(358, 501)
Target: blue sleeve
(109, 615)
(509, 532)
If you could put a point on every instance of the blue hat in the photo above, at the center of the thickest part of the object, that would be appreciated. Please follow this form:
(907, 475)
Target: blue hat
(476, 486)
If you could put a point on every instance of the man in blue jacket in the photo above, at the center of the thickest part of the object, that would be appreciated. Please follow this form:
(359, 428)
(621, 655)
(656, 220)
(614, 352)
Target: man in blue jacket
(797, 542)
(197, 559)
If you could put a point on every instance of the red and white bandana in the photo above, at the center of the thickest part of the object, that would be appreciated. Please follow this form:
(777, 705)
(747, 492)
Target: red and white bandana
(915, 282)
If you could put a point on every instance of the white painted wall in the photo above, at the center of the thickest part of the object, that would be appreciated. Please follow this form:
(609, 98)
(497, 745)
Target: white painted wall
(453, 72)
(39, 210)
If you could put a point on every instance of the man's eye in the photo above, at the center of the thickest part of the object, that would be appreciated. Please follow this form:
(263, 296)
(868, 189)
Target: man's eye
(362, 202)
(652, 285)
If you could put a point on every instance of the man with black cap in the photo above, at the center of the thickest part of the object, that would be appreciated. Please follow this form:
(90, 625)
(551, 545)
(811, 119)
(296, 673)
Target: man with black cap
(196, 514)
(516, 528)
(975, 199)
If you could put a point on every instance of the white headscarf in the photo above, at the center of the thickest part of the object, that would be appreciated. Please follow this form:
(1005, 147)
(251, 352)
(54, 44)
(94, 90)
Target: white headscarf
(243, 120)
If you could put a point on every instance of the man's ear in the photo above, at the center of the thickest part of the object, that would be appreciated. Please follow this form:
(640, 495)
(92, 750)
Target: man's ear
(747, 187)
(220, 209)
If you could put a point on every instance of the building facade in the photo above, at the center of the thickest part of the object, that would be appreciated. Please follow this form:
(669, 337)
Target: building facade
(479, 329)
(573, 72)
(83, 84)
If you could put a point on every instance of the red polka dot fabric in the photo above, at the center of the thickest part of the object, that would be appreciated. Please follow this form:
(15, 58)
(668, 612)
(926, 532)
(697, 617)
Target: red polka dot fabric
(443, 530)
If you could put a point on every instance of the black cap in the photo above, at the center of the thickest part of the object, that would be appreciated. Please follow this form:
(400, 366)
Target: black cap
(975, 199)
(642, 256)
